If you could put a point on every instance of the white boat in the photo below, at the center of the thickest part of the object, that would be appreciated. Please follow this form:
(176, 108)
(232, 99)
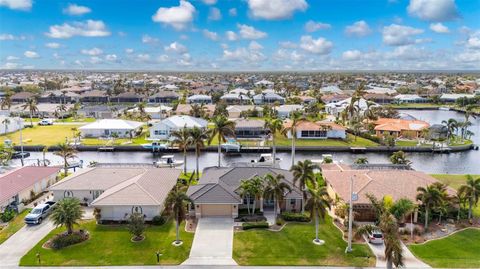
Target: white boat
(155, 146)
(231, 146)
(444, 108)
(168, 161)
(322, 160)
(265, 159)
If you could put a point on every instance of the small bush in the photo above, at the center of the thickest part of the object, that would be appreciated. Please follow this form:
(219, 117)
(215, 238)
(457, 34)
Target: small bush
(298, 217)
(7, 215)
(255, 225)
(65, 240)
(254, 218)
(280, 221)
(159, 220)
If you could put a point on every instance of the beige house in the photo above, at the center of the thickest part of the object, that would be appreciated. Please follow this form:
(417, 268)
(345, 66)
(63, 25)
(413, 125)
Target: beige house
(217, 192)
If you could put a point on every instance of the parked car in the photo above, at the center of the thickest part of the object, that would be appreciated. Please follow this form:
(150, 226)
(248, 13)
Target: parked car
(39, 213)
(375, 237)
(45, 122)
(19, 155)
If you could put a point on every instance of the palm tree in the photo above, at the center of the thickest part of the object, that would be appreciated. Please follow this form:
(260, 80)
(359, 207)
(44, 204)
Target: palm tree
(361, 160)
(399, 157)
(430, 196)
(303, 175)
(198, 137)
(67, 213)
(273, 125)
(257, 187)
(317, 203)
(7, 101)
(451, 125)
(295, 118)
(245, 192)
(222, 128)
(198, 111)
(31, 105)
(471, 191)
(182, 139)
(177, 201)
(276, 189)
(66, 152)
(6, 122)
(389, 228)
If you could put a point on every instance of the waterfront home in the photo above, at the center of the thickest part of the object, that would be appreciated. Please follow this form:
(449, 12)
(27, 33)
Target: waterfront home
(21, 97)
(331, 89)
(101, 111)
(185, 109)
(400, 127)
(379, 98)
(236, 111)
(453, 97)
(284, 111)
(120, 191)
(379, 181)
(217, 192)
(10, 124)
(161, 130)
(409, 98)
(95, 96)
(127, 97)
(109, 127)
(164, 97)
(59, 96)
(438, 132)
(155, 112)
(249, 128)
(235, 98)
(317, 130)
(264, 84)
(268, 97)
(24, 183)
(44, 110)
(338, 107)
(199, 99)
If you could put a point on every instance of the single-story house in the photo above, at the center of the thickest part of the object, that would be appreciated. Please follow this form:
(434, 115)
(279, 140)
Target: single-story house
(235, 111)
(21, 97)
(264, 83)
(59, 96)
(333, 98)
(184, 109)
(199, 99)
(161, 130)
(246, 128)
(336, 108)
(400, 127)
(10, 124)
(438, 132)
(155, 112)
(120, 191)
(268, 97)
(453, 97)
(217, 192)
(94, 96)
(18, 185)
(379, 98)
(127, 97)
(164, 97)
(409, 98)
(397, 183)
(235, 98)
(284, 111)
(101, 111)
(317, 130)
(108, 127)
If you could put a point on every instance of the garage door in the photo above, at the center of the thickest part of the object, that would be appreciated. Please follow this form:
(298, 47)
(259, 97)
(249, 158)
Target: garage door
(216, 210)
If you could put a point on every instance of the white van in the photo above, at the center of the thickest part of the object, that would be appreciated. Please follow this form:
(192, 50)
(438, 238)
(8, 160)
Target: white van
(46, 122)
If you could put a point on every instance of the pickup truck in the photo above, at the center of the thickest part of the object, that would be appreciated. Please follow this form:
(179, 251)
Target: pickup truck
(39, 213)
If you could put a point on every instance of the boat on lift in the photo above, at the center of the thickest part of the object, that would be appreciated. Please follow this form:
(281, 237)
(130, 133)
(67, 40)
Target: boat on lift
(155, 146)
(168, 161)
(231, 146)
(265, 159)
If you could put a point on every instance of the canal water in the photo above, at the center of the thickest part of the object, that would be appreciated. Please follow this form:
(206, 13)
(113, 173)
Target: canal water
(467, 162)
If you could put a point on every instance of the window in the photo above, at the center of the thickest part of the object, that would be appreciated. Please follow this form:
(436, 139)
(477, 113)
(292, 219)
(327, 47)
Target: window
(293, 202)
(314, 133)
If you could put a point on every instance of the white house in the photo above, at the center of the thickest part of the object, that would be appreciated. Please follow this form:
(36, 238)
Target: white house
(264, 83)
(284, 111)
(409, 98)
(120, 191)
(199, 99)
(268, 97)
(10, 124)
(107, 127)
(453, 97)
(155, 112)
(336, 108)
(317, 130)
(162, 130)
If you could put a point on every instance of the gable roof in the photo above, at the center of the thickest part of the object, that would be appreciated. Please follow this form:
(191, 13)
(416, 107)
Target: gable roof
(112, 124)
(180, 121)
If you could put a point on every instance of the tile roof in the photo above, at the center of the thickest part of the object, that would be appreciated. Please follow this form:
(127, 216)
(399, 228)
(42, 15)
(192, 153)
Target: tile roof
(386, 124)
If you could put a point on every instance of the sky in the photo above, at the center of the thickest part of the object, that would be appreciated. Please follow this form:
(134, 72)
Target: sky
(240, 35)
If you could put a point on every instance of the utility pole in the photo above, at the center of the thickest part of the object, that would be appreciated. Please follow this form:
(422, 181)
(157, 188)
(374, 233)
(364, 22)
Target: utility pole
(21, 146)
(350, 215)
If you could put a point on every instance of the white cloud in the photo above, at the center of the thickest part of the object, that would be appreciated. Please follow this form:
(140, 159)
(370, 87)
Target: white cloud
(92, 52)
(76, 10)
(399, 35)
(408, 53)
(249, 32)
(254, 46)
(129, 51)
(469, 57)
(210, 35)
(439, 28)
(359, 28)
(244, 55)
(95, 60)
(317, 46)
(31, 54)
(232, 12)
(143, 57)
(179, 17)
(52, 45)
(209, 2)
(275, 9)
(4, 37)
(146, 39)
(89, 28)
(231, 35)
(10, 66)
(176, 47)
(287, 44)
(78, 62)
(473, 41)
(433, 10)
(111, 57)
(17, 4)
(214, 14)
(351, 55)
(312, 26)
(163, 58)
(12, 58)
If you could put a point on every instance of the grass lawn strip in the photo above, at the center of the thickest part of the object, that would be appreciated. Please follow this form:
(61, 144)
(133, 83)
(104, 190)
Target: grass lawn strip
(111, 245)
(293, 246)
(459, 250)
(13, 226)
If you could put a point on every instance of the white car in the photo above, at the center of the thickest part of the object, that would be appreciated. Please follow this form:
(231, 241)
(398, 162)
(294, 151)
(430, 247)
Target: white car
(45, 122)
(375, 237)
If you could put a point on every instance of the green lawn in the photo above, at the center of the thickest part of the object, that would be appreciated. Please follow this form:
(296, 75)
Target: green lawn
(111, 245)
(42, 135)
(281, 140)
(459, 250)
(455, 181)
(13, 226)
(293, 246)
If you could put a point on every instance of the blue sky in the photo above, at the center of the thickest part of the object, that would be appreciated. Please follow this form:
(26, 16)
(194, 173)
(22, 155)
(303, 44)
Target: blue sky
(240, 34)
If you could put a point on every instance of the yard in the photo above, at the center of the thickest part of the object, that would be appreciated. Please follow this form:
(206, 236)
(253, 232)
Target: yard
(13, 226)
(293, 246)
(111, 245)
(460, 250)
(281, 140)
(42, 135)
(455, 181)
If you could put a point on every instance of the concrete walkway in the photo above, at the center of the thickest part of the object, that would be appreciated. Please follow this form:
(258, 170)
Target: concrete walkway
(12, 250)
(409, 260)
(213, 242)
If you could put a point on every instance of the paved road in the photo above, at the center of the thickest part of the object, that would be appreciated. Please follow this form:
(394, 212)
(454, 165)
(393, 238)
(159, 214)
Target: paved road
(410, 260)
(213, 243)
(12, 250)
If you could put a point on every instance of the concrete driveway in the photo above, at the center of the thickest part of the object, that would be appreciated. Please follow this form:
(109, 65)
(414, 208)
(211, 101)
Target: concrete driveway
(213, 242)
(409, 260)
(12, 250)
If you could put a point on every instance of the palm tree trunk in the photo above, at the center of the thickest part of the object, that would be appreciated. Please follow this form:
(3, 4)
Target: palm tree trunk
(219, 150)
(275, 208)
(293, 149)
(470, 205)
(177, 232)
(426, 218)
(303, 201)
(31, 118)
(316, 226)
(389, 263)
(274, 149)
(185, 160)
(254, 205)
(65, 166)
(196, 156)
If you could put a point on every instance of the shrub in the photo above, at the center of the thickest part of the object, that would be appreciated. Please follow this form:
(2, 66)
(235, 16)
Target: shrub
(65, 240)
(255, 225)
(159, 220)
(7, 215)
(280, 221)
(254, 218)
(298, 217)
(136, 225)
